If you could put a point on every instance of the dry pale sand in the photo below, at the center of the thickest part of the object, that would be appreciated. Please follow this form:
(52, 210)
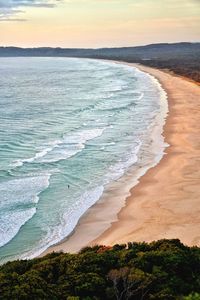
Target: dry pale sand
(166, 202)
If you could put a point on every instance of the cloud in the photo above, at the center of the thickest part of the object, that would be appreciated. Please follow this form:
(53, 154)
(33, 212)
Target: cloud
(9, 9)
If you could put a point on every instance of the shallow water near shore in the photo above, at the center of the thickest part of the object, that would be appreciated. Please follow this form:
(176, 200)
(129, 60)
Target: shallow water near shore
(69, 128)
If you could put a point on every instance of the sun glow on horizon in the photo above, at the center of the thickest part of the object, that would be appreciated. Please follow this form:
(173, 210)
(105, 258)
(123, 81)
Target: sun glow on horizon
(98, 23)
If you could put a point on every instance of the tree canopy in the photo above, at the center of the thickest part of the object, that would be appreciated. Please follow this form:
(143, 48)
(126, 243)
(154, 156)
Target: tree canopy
(165, 269)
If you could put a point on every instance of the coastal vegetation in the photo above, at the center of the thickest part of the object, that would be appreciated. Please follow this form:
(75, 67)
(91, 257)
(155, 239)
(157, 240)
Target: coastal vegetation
(165, 269)
(180, 58)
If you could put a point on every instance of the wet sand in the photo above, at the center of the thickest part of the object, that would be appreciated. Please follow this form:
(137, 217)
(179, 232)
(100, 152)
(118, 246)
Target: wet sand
(166, 201)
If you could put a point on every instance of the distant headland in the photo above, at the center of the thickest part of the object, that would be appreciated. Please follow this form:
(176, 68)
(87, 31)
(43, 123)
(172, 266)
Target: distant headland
(181, 58)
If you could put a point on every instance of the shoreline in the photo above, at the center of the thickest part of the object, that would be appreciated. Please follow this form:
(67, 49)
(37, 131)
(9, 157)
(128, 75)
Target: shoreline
(153, 208)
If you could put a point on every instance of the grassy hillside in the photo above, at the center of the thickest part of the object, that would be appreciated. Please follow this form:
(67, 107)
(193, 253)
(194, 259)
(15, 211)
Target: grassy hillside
(165, 269)
(181, 58)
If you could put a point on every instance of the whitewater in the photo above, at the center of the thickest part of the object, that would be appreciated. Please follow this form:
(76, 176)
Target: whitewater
(68, 128)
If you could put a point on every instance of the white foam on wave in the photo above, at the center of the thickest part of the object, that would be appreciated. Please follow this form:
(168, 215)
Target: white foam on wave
(38, 155)
(115, 104)
(72, 144)
(58, 150)
(69, 146)
(68, 220)
(118, 170)
(141, 95)
(19, 198)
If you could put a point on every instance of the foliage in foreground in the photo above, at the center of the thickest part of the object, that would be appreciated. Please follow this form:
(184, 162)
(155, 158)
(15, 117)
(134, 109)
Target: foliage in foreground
(165, 269)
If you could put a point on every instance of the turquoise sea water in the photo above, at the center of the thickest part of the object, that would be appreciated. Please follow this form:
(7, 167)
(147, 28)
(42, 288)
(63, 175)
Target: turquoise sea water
(68, 127)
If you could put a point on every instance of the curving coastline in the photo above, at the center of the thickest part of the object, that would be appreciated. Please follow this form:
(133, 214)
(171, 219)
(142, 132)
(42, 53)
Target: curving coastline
(164, 203)
(128, 104)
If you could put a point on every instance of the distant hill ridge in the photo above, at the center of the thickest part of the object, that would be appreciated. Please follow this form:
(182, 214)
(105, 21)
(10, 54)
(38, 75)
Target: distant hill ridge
(181, 58)
(151, 51)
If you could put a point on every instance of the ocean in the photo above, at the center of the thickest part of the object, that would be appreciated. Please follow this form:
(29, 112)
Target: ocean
(68, 128)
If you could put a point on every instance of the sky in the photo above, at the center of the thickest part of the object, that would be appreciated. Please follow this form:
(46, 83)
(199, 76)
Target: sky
(97, 23)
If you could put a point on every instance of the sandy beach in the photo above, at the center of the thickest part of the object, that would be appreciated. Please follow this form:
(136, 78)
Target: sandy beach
(166, 201)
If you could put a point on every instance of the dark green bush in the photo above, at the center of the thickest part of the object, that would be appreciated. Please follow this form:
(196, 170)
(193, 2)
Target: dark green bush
(162, 270)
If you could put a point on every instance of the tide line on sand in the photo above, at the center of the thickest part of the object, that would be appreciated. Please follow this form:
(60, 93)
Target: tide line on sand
(166, 201)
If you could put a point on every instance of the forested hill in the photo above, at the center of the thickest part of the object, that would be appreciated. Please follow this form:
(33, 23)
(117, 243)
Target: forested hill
(162, 270)
(154, 51)
(181, 58)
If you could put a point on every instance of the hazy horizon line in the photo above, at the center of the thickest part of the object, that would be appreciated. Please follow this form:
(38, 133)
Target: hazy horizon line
(103, 47)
